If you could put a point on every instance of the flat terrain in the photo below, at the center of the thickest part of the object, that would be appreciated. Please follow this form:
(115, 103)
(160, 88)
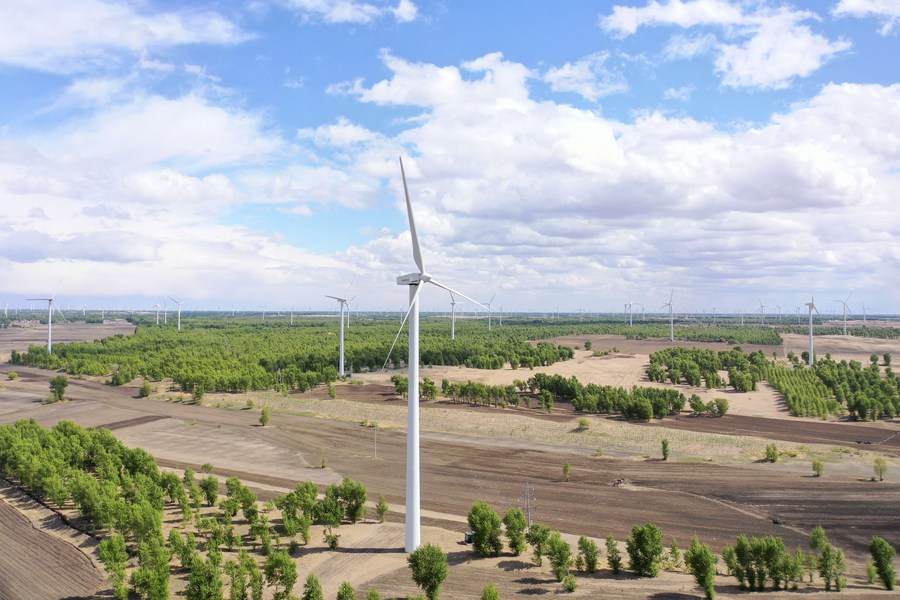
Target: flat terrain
(714, 484)
(26, 333)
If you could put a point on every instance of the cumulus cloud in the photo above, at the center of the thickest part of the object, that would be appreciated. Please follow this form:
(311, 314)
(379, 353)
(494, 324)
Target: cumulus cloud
(75, 35)
(548, 182)
(761, 47)
(588, 77)
(887, 11)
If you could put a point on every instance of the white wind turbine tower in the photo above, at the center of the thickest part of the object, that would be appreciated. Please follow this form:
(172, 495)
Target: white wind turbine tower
(452, 316)
(500, 317)
(488, 306)
(156, 306)
(671, 317)
(811, 305)
(179, 311)
(846, 308)
(628, 311)
(762, 313)
(343, 303)
(165, 313)
(49, 302)
(415, 282)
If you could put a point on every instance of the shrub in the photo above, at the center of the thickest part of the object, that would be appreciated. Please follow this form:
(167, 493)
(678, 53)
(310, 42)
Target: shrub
(569, 583)
(264, 416)
(13, 376)
(346, 592)
(146, 389)
(588, 553)
(771, 453)
(537, 536)
(665, 449)
(381, 508)
(560, 555)
(721, 406)
(880, 468)
(567, 470)
(490, 592)
(515, 524)
(818, 468)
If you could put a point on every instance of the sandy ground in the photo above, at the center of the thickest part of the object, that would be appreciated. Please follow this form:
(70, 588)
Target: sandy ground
(713, 485)
(25, 333)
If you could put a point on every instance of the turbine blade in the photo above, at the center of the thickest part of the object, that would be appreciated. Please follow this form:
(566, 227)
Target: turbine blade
(402, 323)
(452, 291)
(417, 255)
(492, 298)
(352, 281)
(335, 297)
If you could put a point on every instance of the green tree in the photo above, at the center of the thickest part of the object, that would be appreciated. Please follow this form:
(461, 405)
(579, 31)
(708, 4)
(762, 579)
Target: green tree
(264, 416)
(721, 406)
(151, 578)
(114, 557)
(428, 564)
(883, 557)
(613, 557)
(645, 549)
(485, 524)
(880, 467)
(146, 389)
(237, 576)
(560, 555)
(281, 573)
(515, 523)
(58, 387)
(537, 536)
(547, 401)
(490, 592)
(254, 574)
(209, 485)
(832, 568)
(205, 579)
(569, 583)
(887, 359)
(818, 468)
(589, 553)
(381, 508)
(312, 589)
(665, 449)
(373, 594)
(346, 592)
(701, 563)
(818, 538)
(772, 453)
(567, 470)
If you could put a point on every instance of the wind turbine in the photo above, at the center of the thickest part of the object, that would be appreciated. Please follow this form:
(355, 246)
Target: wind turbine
(343, 302)
(762, 313)
(488, 305)
(156, 306)
(846, 308)
(165, 313)
(49, 302)
(415, 282)
(671, 317)
(452, 316)
(179, 311)
(811, 305)
(628, 311)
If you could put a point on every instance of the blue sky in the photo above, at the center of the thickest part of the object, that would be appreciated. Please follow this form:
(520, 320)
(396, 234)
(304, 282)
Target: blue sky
(573, 154)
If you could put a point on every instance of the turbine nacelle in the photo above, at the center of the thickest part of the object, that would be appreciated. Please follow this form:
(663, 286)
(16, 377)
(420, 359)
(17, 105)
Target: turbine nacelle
(413, 279)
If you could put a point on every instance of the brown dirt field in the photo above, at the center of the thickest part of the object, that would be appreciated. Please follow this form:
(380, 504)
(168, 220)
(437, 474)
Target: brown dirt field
(35, 543)
(712, 485)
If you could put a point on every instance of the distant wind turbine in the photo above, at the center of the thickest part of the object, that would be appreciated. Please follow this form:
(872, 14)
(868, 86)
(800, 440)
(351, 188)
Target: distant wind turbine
(415, 282)
(49, 302)
(488, 305)
(846, 309)
(343, 304)
(811, 305)
(179, 311)
(156, 306)
(671, 317)
(762, 313)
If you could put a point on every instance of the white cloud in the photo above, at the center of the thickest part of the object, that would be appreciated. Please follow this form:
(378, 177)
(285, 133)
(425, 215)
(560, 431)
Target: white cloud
(626, 20)
(189, 131)
(682, 93)
(587, 77)
(516, 187)
(352, 11)
(887, 11)
(72, 36)
(342, 133)
(761, 48)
